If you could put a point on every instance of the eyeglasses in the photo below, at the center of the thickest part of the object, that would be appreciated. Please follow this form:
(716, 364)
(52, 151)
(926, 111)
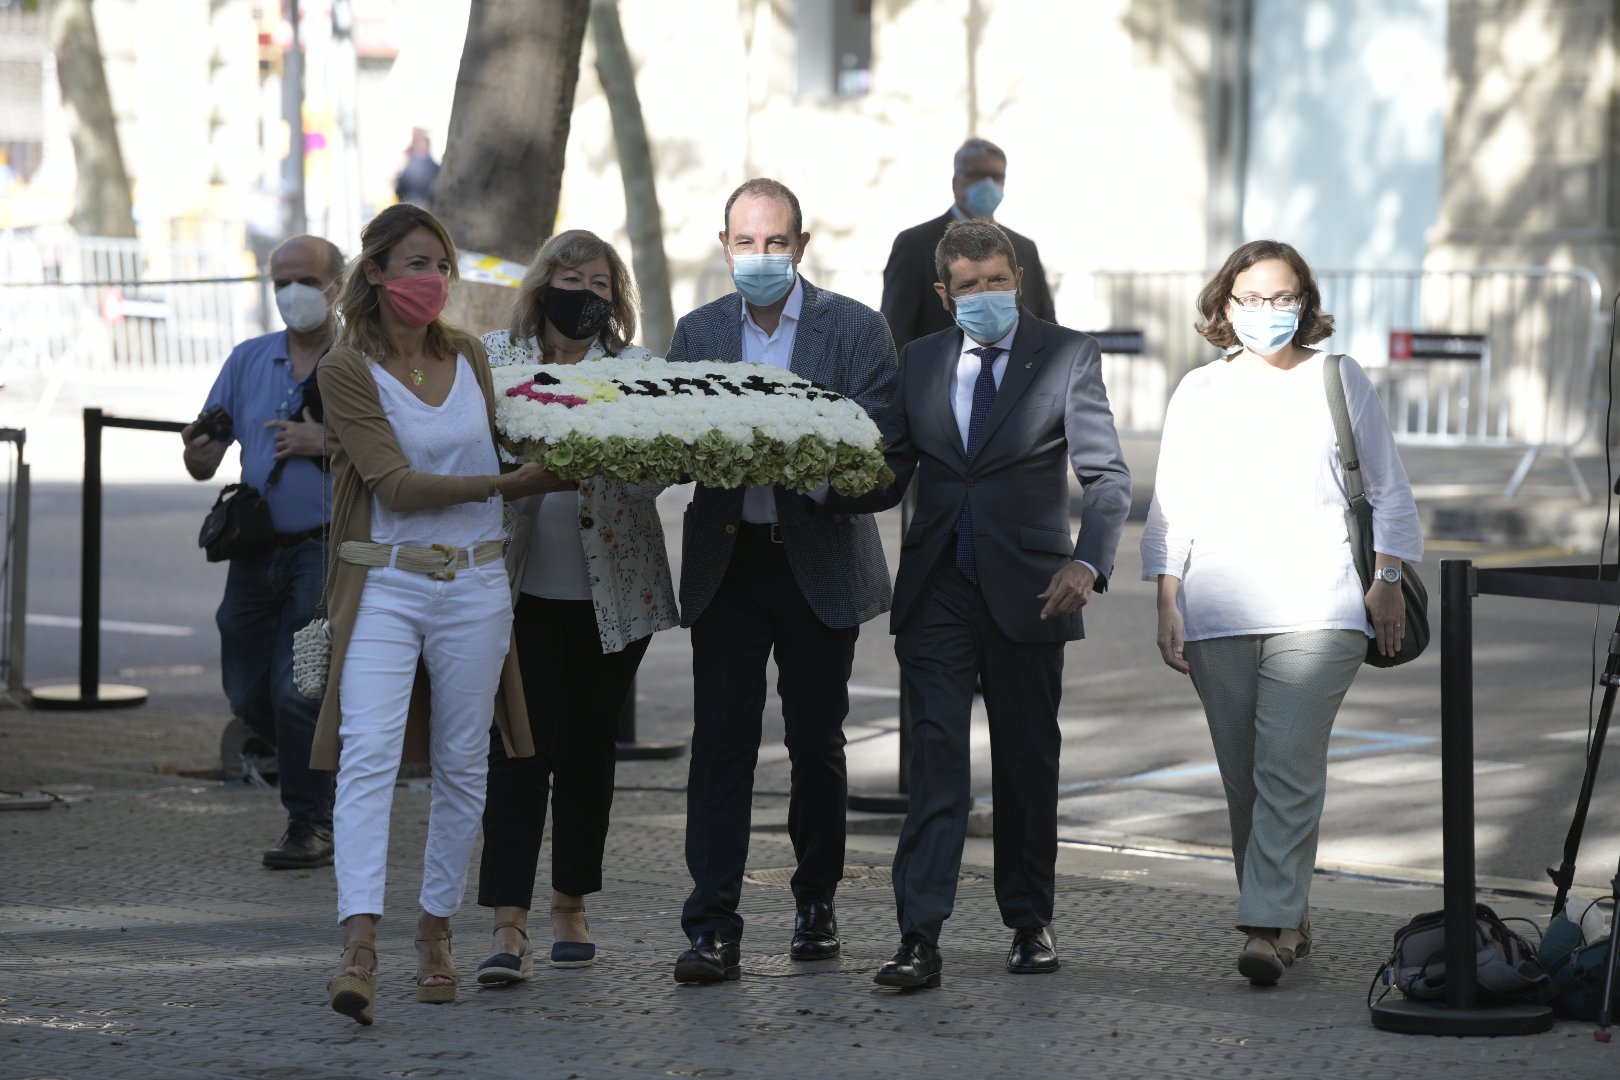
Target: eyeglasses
(1283, 301)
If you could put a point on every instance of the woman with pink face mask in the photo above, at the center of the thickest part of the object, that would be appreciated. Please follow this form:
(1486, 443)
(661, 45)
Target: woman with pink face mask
(417, 589)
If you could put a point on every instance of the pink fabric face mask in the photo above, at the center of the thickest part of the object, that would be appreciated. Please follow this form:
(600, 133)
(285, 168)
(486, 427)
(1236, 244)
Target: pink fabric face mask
(418, 299)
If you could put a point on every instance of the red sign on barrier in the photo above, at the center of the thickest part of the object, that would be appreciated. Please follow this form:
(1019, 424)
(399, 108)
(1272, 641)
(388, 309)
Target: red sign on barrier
(1400, 345)
(112, 305)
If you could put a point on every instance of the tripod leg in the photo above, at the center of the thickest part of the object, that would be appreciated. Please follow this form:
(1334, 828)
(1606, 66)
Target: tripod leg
(1605, 1007)
(1564, 876)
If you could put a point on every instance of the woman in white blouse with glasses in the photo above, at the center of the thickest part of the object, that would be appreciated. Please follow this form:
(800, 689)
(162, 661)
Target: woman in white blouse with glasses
(1259, 600)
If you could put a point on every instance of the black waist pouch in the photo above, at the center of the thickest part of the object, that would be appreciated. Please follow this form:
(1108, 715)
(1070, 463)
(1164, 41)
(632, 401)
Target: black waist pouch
(238, 526)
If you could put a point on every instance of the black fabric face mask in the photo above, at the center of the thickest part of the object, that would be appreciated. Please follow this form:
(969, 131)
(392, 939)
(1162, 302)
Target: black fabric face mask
(576, 314)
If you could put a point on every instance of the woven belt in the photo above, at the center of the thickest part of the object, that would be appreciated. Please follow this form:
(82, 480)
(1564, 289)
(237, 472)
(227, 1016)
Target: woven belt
(440, 562)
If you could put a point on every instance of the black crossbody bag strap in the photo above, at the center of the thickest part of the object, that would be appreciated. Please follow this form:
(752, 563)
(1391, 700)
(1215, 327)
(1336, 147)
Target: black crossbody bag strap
(1349, 456)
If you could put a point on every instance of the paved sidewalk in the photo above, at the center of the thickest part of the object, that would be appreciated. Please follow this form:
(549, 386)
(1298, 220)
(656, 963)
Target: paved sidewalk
(139, 937)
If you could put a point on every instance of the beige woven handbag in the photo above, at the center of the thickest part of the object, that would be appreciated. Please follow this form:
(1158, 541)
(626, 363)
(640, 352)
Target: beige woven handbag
(312, 645)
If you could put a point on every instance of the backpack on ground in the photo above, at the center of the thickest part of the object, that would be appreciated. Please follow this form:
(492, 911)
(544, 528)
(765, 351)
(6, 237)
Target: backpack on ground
(1575, 968)
(1505, 964)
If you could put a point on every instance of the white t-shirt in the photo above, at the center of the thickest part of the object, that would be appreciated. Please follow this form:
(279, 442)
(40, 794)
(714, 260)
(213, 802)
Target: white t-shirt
(555, 568)
(451, 439)
(1249, 500)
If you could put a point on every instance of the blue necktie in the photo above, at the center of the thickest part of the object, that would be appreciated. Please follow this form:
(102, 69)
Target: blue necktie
(984, 395)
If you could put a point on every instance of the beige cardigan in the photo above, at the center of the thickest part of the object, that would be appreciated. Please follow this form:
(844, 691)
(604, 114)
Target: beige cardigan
(367, 460)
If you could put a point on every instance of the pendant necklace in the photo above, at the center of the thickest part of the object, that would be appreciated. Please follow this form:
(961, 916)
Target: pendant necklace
(416, 376)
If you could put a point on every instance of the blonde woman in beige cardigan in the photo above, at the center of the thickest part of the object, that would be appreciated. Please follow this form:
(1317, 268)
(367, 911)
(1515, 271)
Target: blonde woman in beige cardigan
(420, 604)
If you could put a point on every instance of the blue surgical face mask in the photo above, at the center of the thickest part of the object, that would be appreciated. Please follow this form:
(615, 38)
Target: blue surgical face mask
(1265, 331)
(987, 316)
(762, 279)
(982, 198)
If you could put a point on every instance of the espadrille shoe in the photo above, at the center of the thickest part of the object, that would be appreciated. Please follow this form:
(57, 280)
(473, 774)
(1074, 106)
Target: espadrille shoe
(444, 993)
(356, 995)
(504, 968)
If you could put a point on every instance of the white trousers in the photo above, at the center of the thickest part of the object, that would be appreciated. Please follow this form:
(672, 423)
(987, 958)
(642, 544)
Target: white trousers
(460, 629)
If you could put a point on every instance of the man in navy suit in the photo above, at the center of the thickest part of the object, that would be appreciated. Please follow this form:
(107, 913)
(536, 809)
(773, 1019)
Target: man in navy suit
(763, 571)
(990, 415)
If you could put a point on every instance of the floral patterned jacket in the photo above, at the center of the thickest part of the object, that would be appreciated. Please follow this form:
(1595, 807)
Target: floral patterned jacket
(619, 529)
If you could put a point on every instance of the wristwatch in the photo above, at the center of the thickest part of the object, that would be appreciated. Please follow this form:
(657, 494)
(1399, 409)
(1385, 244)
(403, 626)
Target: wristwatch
(1391, 574)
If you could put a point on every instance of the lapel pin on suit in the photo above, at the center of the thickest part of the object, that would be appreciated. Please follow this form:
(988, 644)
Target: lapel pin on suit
(1028, 364)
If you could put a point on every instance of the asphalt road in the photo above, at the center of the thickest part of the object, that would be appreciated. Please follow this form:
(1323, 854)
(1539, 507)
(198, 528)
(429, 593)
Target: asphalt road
(1137, 765)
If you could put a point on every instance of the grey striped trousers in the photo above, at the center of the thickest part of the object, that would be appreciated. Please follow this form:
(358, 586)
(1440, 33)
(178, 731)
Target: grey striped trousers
(1270, 700)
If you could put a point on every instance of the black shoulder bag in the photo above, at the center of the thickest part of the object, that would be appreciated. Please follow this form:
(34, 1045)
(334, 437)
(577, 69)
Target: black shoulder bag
(239, 525)
(1358, 519)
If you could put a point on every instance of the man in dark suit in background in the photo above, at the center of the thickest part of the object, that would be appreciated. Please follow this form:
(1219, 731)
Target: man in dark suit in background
(909, 302)
(765, 570)
(990, 415)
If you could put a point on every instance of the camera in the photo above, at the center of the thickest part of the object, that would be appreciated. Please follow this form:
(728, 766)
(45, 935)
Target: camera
(312, 402)
(214, 422)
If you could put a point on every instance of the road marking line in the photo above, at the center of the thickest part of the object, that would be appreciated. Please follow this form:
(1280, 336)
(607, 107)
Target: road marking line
(1578, 735)
(115, 626)
(856, 690)
(1371, 742)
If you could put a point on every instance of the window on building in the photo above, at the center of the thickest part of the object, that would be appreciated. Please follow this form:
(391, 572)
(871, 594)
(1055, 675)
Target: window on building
(834, 48)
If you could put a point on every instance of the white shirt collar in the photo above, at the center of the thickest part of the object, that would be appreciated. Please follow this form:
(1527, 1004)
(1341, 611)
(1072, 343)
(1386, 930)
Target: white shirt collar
(791, 310)
(1004, 344)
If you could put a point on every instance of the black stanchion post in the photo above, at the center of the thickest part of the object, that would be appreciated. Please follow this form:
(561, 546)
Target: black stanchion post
(90, 692)
(90, 562)
(1457, 777)
(629, 748)
(1459, 1014)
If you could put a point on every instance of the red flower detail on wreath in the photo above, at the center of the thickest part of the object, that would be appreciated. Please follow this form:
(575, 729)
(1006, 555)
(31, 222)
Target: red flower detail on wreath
(544, 397)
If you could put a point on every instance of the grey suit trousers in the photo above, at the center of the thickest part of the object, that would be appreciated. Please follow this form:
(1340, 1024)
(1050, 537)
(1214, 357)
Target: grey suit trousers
(1270, 700)
(948, 638)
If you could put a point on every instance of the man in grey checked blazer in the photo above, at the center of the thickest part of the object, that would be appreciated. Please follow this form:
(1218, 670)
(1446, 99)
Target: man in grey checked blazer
(766, 570)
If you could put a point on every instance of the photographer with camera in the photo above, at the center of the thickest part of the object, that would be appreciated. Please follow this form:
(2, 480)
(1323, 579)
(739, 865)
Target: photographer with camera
(269, 528)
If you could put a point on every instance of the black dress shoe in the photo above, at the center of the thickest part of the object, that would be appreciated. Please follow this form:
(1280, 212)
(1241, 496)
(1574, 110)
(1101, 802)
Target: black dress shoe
(303, 847)
(916, 964)
(1033, 951)
(709, 960)
(815, 932)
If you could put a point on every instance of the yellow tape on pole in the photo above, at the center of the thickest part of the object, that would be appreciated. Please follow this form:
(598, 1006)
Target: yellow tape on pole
(490, 269)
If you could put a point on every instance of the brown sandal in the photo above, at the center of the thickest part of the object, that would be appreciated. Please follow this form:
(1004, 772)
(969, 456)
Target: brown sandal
(1259, 962)
(355, 995)
(440, 994)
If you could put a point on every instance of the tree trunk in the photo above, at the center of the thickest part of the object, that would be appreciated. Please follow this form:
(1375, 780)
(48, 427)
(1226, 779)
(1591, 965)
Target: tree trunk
(643, 219)
(503, 160)
(102, 204)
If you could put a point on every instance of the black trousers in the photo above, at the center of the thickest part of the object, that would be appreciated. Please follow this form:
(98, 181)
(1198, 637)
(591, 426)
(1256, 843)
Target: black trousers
(759, 610)
(950, 637)
(575, 693)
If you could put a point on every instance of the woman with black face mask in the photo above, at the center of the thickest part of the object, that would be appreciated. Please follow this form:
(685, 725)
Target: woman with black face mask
(593, 585)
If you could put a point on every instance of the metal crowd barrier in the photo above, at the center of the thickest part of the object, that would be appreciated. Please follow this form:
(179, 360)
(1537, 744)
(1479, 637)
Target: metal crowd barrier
(1515, 363)
(89, 303)
(1514, 360)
